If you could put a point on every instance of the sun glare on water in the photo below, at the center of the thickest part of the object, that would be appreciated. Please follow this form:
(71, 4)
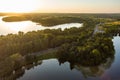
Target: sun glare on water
(18, 6)
(17, 26)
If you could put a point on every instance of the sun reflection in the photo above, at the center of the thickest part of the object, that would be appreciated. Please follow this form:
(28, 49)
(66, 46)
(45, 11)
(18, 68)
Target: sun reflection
(17, 26)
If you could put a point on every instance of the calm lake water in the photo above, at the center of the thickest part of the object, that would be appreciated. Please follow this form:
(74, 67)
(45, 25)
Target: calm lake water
(25, 26)
(52, 69)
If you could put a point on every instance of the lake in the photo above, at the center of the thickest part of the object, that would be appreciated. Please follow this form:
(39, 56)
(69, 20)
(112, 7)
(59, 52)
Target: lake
(26, 26)
(53, 69)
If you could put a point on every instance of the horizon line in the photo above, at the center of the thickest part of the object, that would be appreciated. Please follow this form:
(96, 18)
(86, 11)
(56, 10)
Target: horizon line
(60, 13)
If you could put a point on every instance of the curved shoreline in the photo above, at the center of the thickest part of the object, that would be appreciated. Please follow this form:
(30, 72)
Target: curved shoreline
(44, 21)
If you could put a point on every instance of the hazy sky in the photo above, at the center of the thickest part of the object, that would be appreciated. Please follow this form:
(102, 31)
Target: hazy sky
(80, 6)
(61, 6)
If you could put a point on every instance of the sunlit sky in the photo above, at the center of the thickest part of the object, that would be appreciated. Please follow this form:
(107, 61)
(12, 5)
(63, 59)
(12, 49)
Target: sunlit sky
(61, 6)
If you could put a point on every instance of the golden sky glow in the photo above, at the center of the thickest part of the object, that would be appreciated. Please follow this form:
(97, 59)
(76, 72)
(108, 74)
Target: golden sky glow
(18, 5)
(61, 6)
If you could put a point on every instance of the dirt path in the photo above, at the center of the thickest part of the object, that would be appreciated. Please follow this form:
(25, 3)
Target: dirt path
(50, 50)
(97, 30)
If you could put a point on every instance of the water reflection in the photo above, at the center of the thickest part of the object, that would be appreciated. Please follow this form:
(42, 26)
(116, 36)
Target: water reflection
(9, 73)
(92, 71)
(54, 69)
(25, 26)
(60, 69)
(114, 71)
(95, 71)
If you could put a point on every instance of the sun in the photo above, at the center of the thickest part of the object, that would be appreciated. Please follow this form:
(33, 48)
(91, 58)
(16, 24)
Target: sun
(18, 6)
